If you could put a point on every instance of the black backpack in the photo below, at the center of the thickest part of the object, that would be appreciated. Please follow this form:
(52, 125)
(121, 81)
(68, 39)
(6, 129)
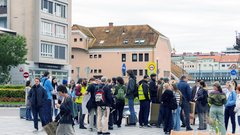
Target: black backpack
(174, 104)
(135, 92)
(100, 97)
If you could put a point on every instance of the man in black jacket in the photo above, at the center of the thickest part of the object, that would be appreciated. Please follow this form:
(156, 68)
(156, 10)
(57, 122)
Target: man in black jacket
(38, 97)
(153, 88)
(143, 95)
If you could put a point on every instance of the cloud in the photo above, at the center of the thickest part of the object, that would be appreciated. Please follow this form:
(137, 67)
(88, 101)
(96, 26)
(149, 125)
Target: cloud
(191, 25)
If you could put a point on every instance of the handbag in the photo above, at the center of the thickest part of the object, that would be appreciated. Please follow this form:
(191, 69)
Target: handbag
(51, 128)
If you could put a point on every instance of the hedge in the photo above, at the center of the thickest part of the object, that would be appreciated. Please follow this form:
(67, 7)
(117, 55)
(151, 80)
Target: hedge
(11, 87)
(12, 93)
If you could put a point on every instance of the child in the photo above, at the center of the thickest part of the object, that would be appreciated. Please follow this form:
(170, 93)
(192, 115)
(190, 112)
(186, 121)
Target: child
(27, 101)
(237, 108)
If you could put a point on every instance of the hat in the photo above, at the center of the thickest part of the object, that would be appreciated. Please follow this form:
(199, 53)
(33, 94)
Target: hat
(64, 82)
(145, 76)
(153, 75)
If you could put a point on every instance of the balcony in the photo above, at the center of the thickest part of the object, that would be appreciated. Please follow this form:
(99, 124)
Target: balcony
(3, 9)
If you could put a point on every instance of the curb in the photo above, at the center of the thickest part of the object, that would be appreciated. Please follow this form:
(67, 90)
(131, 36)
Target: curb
(1, 105)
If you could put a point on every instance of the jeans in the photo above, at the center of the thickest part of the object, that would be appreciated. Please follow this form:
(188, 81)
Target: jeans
(186, 109)
(81, 116)
(48, 111)
(133, 117)
(111, 119)
(182, 117)
(28, 114)
(144, 112)
(216, 113)
(238, 120)
(102, 114)
(119, 110)
(167, 119)
(202, 120)
(160, 115)
(55, 111)
(176, 119)
(38, 111)
(229, 112)
(91, 118)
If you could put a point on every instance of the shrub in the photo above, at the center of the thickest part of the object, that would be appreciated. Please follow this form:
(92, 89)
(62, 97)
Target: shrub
(11, 87)
(12, 93)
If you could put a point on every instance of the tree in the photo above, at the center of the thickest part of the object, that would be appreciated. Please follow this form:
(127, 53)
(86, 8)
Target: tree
(12, 53)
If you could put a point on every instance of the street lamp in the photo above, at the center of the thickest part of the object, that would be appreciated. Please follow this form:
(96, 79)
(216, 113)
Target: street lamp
(182, 67)
(212, 71)
(199, 65)
(157, 69)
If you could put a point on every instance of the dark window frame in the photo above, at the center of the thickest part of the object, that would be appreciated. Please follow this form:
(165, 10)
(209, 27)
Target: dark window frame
(140, 57)
(124, 56)
(75, 39)
(134, 60)
(146, 57)
(140, 72)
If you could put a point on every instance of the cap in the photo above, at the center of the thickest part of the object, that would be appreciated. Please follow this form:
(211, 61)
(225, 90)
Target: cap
(153, 75)
(64, 82)
(145, 76)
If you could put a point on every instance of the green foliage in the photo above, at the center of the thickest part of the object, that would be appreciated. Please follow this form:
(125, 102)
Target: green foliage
(12, 87)
(13, 52)
(12, 94)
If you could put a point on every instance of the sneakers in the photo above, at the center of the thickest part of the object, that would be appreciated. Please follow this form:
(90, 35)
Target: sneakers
(148, 126)
(106, 133)
(140, 126)
(189, 129)
(82, 127)
(99, 133)
(35, 131)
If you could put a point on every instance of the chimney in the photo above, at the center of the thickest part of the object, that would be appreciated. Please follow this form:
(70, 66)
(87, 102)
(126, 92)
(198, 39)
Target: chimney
(110, 24)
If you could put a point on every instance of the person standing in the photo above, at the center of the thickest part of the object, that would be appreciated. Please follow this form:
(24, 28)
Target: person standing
(144, 98)
(229, 106)
(103, 107)
(120, 93)
(202, 106)
(153, 88)
(38, 97)
(217, 99)
(185, 89)
(195, 89)
(130, 95)
(72, 89)
(91, 105)
(46, 83)
(176, 112)
(54, 95)
(27, 101)
(166, 100)
(237, 108)
(65, 118)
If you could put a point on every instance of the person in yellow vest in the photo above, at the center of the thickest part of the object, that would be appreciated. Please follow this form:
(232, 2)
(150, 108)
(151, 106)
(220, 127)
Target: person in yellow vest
(144, 98)
(81, 90)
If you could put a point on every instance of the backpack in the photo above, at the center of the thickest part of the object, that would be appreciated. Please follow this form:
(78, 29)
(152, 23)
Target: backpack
(135, 92)
(173, 104)
(74, 110)
(121, 94)
(100, 97)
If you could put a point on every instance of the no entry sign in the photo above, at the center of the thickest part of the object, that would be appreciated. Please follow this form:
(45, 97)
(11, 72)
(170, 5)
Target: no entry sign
(25, 74)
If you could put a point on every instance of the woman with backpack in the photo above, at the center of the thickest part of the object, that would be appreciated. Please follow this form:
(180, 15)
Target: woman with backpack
(120, 92)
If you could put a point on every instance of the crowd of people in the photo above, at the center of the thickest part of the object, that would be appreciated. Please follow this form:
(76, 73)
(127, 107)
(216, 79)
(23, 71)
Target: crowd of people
(101, 102)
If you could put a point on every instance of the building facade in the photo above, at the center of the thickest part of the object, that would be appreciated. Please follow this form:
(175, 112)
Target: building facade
(104, 51)
(46, 25)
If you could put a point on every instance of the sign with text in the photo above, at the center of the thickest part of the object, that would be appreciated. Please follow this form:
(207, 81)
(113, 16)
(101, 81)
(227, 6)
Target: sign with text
(151, 68)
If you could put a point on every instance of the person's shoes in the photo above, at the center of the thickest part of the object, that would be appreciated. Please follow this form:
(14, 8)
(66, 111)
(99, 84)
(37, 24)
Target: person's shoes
(82, 127)
(110, 128)
(200, 129)
(148, 126)
(167, 133)
(99, 133)
(119, 126)
(106, 133)
(91, 129)
(140, 126)
(189, 129)
(183, 126)
(131, 124)
(35, 131)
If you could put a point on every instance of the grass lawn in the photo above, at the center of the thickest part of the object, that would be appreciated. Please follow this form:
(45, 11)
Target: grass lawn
(12, 103)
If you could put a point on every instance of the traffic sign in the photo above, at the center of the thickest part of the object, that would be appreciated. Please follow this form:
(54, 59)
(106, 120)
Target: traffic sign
(233, 72)
(124, 68)
(25, 74)
(151, 68)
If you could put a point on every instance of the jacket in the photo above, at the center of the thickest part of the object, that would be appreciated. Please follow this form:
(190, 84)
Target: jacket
(217, 98)
(231, 100)
(237, 108)
(145, 88)
(130, 88)
(186, 90)
(46, 83)
(202, 103)
(167, 97)
(153, 88)
(65, 115)
(37, 96)
(91, 103)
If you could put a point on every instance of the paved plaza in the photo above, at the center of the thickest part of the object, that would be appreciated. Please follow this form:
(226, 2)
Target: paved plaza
(11, 124)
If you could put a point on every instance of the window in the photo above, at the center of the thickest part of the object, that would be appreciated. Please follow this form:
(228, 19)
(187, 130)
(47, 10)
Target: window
(47, 28)
(60, 10)
(3, 22)
(140, 72)
(46, 50)
(75, 39)
(47, 6)
(139, 41)
(99, 71)
(72, 56)
(59, 52)
(205, 65)
(72, 71)
(91, 71)
(146, 57)
(134, 57)
(146, 71)
(140, 57)
(123, 57)
(60, 31)
(228, 65)
(125, 42)
(95, 55)
(90, 56)
(135, 72)
(80, 39)
(3, 3)
(223, 65)
(99, 56)
(95, 71)
(216, 65)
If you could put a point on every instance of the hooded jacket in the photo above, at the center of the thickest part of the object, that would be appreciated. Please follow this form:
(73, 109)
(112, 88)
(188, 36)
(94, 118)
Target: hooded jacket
(145, 87)
(217, 98)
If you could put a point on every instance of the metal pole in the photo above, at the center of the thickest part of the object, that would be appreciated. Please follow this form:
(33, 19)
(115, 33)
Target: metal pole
(212, 74)
(199, 70)
(157, 70)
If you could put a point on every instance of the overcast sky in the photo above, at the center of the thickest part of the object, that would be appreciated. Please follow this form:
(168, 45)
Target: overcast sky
(191, 25)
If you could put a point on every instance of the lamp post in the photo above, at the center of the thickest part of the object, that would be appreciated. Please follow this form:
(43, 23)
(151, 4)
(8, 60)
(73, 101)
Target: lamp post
(199, 65)
(212, 71)
(182, 67)
(157, 69)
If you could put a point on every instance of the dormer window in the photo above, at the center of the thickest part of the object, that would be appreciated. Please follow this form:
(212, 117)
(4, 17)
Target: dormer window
(101, 42)
(125, 41)
(139, 41)
(142, 41)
